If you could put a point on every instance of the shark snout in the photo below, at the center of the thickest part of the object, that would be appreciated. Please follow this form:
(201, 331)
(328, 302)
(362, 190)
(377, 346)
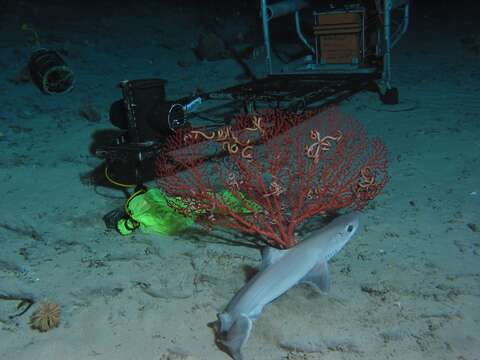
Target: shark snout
(340, 231)
(347, 224)
(352, 221)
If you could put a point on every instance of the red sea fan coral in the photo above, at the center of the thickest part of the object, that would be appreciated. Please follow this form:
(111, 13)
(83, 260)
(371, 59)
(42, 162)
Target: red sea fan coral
(281, 167)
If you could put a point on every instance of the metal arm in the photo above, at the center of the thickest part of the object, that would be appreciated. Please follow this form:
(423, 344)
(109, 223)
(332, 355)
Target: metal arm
(391, 40)
(269, 12)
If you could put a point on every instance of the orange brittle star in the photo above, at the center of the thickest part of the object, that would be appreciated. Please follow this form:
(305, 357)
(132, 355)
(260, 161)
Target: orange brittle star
(230, 142)
(320, 144)
(275, 189)
(367, 179)
(257, 120)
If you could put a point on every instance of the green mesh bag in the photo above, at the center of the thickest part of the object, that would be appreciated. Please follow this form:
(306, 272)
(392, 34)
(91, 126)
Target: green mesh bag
(150, 212)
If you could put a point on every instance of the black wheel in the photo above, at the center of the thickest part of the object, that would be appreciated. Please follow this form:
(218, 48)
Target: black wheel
(390, 97)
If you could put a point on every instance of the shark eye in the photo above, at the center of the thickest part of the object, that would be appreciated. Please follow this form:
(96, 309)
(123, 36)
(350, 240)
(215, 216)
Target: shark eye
(349, 228)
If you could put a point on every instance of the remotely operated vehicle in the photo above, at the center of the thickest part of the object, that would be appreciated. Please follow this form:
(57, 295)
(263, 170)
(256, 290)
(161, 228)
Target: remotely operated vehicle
(346, 48)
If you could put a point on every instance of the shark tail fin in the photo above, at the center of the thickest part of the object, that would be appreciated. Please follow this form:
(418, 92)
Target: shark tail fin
(237, 336)
(224, 322)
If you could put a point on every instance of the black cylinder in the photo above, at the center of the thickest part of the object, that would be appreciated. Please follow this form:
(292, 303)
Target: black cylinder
(50, 72)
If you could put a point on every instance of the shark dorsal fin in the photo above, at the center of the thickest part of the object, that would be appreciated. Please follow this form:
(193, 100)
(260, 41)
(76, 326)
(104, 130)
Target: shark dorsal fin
(271, 255)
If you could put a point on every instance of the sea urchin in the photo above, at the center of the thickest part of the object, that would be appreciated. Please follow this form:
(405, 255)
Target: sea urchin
(46, 317)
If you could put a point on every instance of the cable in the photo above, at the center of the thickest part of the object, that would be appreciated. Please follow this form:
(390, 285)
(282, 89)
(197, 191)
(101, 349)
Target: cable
(107, 176)
(174, 123)
(130, 198)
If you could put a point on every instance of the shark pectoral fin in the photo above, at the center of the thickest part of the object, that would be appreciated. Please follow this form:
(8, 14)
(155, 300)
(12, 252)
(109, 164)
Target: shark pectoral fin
(237, 336)
(271, 255)
(318, 277)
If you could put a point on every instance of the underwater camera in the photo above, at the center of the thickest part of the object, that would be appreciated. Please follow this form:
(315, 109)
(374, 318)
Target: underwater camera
(144, 119)
(144, 113)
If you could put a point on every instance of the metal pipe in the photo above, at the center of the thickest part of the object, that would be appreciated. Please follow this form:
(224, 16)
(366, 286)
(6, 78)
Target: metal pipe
(387, 76)
(285, 7)
(300, 33)
(406, 20)
(399, 3)
(266, 36)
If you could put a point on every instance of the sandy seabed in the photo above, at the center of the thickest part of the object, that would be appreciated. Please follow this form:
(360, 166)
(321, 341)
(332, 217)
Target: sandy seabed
(406, 287)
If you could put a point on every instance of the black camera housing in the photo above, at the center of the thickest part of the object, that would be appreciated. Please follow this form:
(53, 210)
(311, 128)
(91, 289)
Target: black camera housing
(145, 119)
(144, 112)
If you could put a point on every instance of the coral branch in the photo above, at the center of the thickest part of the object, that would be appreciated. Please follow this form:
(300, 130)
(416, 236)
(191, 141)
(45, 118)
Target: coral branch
(279, 169)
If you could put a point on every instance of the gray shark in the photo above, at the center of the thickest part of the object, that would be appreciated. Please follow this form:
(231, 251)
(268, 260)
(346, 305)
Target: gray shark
(306, 262)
